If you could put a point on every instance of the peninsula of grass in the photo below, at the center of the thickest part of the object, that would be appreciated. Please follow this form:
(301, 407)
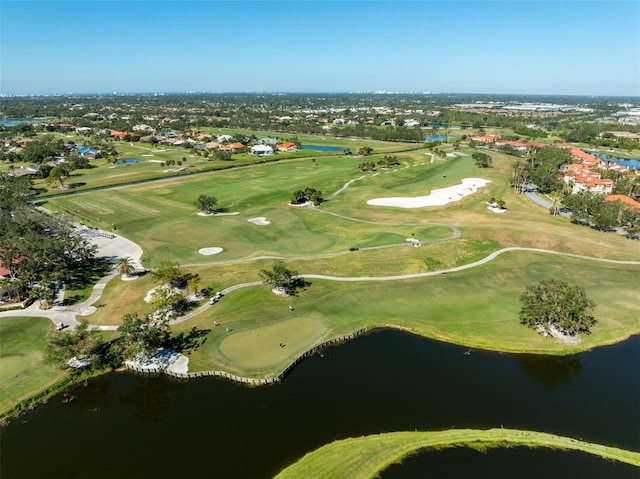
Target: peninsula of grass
(22, 369)
(366, 457)
(464, 307)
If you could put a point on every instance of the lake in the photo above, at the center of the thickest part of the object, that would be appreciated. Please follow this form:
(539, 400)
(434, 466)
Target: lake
(23, 121)
(123, 425)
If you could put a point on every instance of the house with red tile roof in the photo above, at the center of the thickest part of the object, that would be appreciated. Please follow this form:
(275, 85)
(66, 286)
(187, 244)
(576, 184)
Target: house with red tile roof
(582, 178)
(287, 146)
(627, 201)
(233, 147)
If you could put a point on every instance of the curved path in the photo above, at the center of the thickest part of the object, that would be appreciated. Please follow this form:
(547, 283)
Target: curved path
(67, 315)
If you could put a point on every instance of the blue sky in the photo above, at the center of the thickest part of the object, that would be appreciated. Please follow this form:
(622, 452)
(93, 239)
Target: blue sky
(538, 47)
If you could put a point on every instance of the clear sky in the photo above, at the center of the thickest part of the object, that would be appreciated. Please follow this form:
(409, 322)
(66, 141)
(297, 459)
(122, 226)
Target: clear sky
(537, 47)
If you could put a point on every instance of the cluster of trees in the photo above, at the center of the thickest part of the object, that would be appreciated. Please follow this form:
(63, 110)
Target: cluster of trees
(483, 160)
(308, 194)
(387, 162)
(138, 334)
(365, 151)
(556, 305)
(591, 208)
(39, 250)
(529, 132)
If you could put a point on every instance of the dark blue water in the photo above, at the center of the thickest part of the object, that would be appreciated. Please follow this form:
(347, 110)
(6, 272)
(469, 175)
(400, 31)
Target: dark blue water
(122, 425)
(128, 161)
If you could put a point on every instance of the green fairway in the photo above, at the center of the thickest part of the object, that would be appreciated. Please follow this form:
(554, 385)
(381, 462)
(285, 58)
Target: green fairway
(465, 307)
(365, 457)
(22, 370)
(346, 237)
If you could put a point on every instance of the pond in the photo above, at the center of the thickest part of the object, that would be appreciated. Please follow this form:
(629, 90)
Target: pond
(438, 137)
(128, 161)
(323, 148)
(123, 425)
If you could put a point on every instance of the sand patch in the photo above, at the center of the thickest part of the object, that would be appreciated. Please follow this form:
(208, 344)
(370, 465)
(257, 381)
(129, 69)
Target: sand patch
(260, 221)
(210, 251)
(213, 213)
(437, 197)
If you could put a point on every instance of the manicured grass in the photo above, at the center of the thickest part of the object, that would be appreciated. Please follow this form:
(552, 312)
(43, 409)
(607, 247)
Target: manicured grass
(476, 308)
(366, 457)
(22, 370)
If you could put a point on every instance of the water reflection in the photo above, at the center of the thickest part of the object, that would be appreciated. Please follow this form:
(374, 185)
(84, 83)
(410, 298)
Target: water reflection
(152, 397)
(550, 371)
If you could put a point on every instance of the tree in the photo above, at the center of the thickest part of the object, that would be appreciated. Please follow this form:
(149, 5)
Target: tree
(205, 203)
(141, 335)
(125, 266)
(58, 173)
(80, 343)
(482, 160)
(283, 279)
(365, 151)
(556, 198)
(556, 305)
(170, 273)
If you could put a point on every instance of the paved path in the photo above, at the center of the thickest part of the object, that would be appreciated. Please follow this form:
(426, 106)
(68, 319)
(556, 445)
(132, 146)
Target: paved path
(114, 246)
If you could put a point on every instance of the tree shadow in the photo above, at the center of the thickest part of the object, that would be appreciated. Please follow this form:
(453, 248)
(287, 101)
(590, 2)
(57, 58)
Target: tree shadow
(83, 275)
(75, 185)
(185, 342)
(297, 284)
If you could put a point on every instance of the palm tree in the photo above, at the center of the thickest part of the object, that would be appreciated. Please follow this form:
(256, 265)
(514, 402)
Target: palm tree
(125, 266)
(556, 197)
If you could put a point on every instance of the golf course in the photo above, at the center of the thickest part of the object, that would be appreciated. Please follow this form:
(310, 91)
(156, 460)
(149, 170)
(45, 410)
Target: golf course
(452, 272)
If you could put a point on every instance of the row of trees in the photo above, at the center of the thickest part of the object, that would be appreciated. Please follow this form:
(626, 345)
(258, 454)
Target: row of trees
(592, 209)
(39, 250)
(387, 162)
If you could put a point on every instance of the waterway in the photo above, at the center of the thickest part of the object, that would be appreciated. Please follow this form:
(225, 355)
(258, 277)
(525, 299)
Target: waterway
(127, 426)
(632, 164)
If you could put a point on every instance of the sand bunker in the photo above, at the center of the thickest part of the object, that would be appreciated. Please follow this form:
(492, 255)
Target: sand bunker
(261, 221)
(438, 197)
(210, 251)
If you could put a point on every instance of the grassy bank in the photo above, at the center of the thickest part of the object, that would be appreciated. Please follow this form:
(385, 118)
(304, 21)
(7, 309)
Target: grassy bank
(22, 369)
(365, 457)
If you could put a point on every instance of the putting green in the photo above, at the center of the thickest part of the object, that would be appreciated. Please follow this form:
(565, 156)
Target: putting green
(260, 347)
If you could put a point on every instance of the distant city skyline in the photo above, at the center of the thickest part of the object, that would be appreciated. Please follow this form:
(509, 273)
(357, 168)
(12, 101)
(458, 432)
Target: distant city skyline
(587, 48)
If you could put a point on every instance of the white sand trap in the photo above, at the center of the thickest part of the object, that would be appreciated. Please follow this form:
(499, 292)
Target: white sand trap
(495, 209)
(438, 197)
(260, 221)
(210, 251)
(213, 213)
(147, 155)
(154, 161)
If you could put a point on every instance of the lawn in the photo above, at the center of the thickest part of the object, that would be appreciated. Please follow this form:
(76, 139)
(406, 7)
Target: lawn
(22, 370)
(477, 307)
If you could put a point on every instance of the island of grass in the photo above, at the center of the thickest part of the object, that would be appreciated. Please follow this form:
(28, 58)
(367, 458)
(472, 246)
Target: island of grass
(365, 457)
(357, 259)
